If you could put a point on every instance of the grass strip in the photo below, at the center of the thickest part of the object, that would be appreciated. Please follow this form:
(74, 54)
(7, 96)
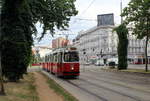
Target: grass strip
(24, 90)
(59, 90)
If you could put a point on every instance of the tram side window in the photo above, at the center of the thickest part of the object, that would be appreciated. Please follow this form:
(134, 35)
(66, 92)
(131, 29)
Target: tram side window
(60, 57)
(45, 58)
(50, 58)
(55, 57)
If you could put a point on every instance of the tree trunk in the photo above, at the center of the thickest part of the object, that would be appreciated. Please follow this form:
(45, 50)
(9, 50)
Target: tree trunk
(2, 91)
(146, 57)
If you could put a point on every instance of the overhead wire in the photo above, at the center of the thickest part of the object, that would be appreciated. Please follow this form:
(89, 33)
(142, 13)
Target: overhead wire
(85, 12)
(83, 19)
(88, 7)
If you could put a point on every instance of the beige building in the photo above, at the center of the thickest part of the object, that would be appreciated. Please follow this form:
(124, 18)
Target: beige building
(60, 42)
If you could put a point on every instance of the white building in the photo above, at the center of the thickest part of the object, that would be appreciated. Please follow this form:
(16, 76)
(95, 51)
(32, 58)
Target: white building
(42, 50)
(136, 49)
(97, 42)
(101, 42)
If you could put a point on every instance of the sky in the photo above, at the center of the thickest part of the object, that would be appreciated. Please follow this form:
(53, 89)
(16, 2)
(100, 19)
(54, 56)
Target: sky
(86, 18)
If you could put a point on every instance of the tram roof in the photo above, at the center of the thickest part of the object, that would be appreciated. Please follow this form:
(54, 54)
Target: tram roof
(63, 49)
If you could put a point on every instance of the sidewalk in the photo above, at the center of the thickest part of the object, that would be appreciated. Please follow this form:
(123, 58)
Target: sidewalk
(44, 92)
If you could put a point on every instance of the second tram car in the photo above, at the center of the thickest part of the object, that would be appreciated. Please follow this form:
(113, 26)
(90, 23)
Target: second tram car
(62, 62)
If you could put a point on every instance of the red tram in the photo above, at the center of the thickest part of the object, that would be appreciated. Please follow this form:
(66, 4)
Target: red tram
(62, 62)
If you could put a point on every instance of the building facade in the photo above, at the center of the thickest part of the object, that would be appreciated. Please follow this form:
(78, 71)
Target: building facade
(60, 42)
(97, 42)
(101, 42)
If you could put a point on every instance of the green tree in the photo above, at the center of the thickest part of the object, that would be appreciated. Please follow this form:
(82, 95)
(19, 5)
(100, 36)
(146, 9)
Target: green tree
(18, 19)
(137, 13)
(122, 49)
(16, 38)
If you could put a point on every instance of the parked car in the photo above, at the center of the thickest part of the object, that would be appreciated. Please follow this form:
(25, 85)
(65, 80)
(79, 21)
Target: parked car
(87, 63)
(99, 62)
(112, 61)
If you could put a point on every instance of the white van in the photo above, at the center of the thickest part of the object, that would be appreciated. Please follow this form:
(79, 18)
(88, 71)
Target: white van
(99, 62)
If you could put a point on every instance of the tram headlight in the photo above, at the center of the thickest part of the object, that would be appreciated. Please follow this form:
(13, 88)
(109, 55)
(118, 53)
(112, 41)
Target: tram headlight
(72, 68)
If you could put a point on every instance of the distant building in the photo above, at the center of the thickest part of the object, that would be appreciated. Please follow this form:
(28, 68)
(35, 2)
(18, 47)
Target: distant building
(41, 50)
(60, 42)
(97, 42)
(101, 42)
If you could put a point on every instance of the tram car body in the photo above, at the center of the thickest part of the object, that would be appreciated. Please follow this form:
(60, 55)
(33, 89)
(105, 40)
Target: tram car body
(63, 62)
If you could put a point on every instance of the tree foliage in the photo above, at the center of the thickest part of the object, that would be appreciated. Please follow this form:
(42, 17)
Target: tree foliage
(18, 25)
(138, 14)
(52, 13)
(16, 39)
(122, 49)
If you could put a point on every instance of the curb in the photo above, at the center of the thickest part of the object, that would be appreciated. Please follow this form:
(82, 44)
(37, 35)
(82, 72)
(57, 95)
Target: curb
(115, 70)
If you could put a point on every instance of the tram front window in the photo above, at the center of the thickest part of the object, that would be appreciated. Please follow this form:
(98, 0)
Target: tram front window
(71, 57)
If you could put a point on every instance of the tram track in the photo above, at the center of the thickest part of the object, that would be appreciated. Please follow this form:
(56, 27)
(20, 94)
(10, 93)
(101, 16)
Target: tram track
(101, 92)
(132, 76)
(87, 91)
(77, 86)
(116, 84)
(130, 79)
(114, 91)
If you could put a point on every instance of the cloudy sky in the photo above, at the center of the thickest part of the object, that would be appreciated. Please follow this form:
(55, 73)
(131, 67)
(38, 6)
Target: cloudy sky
(86, 18)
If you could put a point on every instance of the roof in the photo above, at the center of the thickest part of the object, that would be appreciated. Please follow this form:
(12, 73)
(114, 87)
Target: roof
(94, 29)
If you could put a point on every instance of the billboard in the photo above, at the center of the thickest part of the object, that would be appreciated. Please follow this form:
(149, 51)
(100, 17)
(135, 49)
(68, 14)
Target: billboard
(105, 19)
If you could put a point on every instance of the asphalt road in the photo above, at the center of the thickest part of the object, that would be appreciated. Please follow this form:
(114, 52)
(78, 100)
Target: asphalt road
(97, 85)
